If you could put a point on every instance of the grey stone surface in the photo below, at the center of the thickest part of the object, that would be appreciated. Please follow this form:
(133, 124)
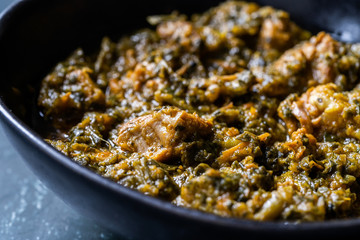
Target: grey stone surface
(30, 211)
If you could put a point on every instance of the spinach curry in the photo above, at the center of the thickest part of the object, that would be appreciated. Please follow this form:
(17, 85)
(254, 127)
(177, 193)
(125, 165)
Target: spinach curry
(237, 112)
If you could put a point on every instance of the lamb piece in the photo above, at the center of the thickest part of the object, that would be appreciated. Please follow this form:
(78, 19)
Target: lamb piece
(159, 135)
(180, 31)
(322, 110)
(318, 61)
(249, 19)
(277, 32)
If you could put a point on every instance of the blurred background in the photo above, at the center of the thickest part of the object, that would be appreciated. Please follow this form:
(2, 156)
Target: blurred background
(28, 210)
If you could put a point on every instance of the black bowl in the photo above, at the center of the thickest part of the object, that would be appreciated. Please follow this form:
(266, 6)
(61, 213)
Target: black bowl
(35, 34)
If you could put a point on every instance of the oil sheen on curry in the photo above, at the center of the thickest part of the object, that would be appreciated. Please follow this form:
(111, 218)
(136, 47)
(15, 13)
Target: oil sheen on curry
(236, 111)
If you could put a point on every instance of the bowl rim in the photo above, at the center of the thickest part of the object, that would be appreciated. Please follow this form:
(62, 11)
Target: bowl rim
(17, 125)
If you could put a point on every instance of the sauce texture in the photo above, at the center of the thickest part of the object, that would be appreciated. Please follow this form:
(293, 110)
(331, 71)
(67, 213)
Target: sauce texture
(237, 112)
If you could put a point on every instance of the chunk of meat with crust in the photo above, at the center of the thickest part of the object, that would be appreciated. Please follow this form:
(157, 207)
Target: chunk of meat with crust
(278, 32)
(324, 109)
(311, 63)
(179, 31)
(158, 135)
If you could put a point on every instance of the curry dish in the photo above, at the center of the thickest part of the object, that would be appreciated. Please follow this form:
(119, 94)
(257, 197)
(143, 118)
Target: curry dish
(237, 112)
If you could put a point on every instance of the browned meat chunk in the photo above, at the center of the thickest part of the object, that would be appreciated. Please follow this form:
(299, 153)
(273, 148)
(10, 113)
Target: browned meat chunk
(314, 62)
(179, 31)
(159, 135)
(278, 32)
(324, 109)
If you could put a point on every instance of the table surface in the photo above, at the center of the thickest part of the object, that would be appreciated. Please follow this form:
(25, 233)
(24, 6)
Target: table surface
(30, 211)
